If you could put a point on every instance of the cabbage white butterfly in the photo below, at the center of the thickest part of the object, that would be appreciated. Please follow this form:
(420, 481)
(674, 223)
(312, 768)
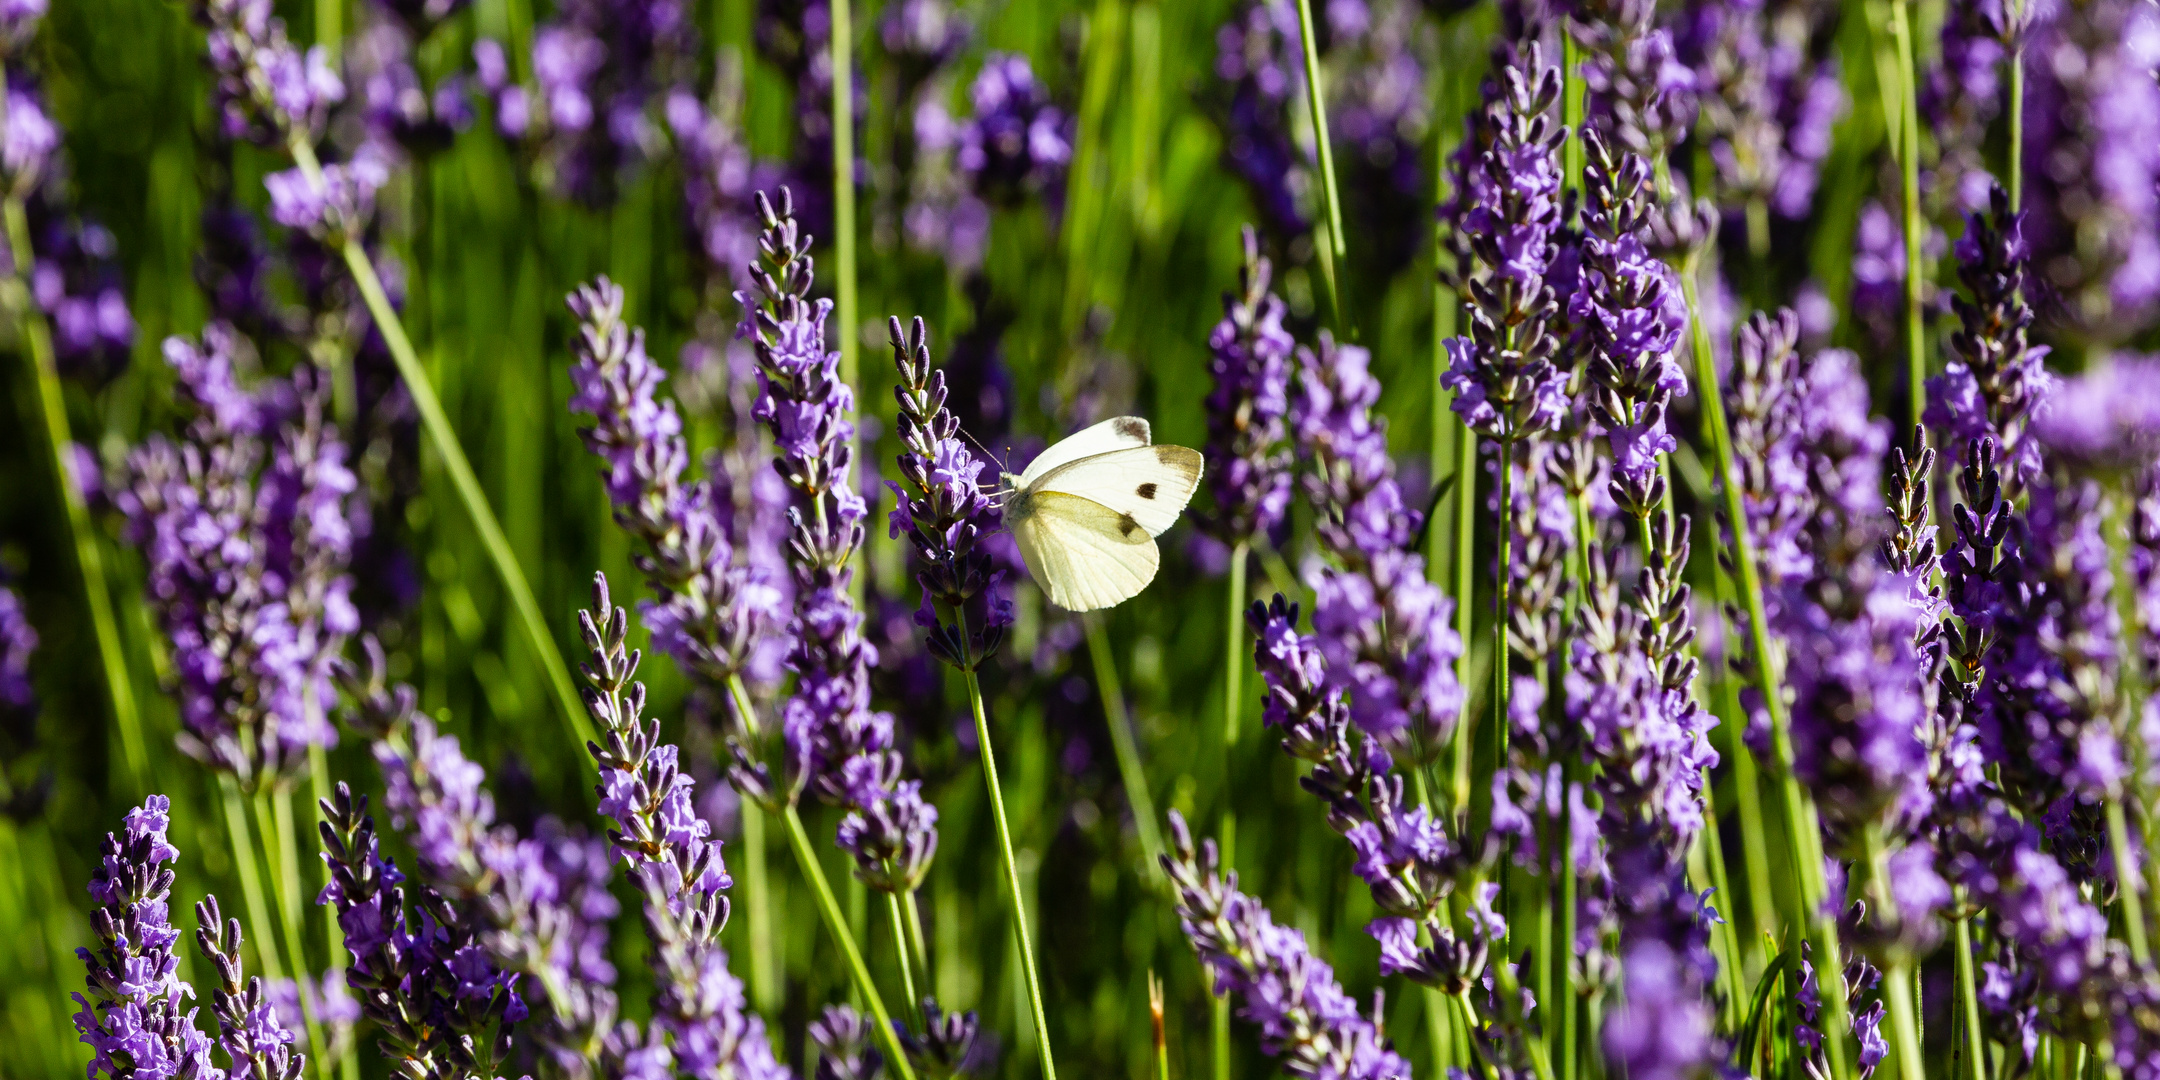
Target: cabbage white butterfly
(1087, 511)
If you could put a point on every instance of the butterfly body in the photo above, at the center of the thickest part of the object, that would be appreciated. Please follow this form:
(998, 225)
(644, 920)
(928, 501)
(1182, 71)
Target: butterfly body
(1087, 511)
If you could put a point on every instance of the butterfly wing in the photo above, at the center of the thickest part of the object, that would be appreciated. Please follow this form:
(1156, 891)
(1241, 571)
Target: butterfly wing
(1085, 555)
(1118, 433)
(1150, 484)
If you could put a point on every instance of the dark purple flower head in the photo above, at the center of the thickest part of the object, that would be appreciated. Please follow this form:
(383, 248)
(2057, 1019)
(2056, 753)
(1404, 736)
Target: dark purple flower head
(924, 35)
(1257, 55)
(717, 614)
(1763, 400)
(599, 67)
(1018, 142)
(77, 282)
(420, 973)
(945, 512)
(1377, 118)
(1996, 384)
(950, 1045)
(397, 106)
(843, 1040)
(1248, 469)
(256, 1042)
(1288, 993)
(1505, 383)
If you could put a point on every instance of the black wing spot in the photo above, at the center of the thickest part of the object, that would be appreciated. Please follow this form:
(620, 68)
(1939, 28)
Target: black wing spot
(1127, 525)
(1132, 427)
(1147, 491)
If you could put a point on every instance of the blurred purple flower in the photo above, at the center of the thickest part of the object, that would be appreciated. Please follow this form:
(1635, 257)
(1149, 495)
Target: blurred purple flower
(1017, 143)
(1248, 468)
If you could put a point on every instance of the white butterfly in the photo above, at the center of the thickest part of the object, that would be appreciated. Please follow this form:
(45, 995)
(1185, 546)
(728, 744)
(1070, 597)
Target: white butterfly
(1087, 512)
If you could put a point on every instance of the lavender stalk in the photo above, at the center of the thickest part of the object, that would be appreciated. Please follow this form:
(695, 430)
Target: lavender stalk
(261, 77)
(37, 334)
(1331, 246)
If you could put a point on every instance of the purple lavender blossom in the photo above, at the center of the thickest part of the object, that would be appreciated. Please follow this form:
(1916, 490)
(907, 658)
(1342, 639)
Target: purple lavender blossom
(1377, 118)
(1763, 400)
(1859, 977)
(1248, 469)
(76, 281)
(944, 512)
(1768, 106)
(1505, 383)
(1383, 627)
(339, 204)
(396, 105)
(1631, 311)
(700, 1007)
(1959, 97)
(29, 139)
(2092, 152)
(717, 615)
(1996, 383)
(131, 1019)
(245, 526)
(422, 977)
(1290, 995)
(1257, 54)
(719, 177)
(599, 65)
(256, 1044)
(810, 413)
(18, 639)
(1663, 1030)
(2106, 419)
(1017, 143)
(1640, 92)
(268, 91)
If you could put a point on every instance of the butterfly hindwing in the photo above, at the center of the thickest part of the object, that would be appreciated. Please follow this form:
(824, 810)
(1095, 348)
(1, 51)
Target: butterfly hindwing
(1151, 484)
(1085, 555)
(1117, 433)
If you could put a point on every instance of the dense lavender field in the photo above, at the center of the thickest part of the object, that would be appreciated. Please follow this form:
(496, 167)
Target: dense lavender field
(507, 567)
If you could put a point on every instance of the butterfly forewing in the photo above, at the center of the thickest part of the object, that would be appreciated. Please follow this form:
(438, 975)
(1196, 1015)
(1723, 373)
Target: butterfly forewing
(1150, 484)
(1085, 555)
(1118, 433)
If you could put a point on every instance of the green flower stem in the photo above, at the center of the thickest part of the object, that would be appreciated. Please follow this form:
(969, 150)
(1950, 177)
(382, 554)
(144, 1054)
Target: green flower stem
(243, 847)
(444, 438)
(912, 912)
(1465, 495)
(836, 925)
(1501, 565)
(1571, 112)
(333, 934)
(2016, 149)
(1012, 871)
(2126, 882)
(1801, 831)
(757, 884)
(1233, 694)
(843, 193)
(273, 814)
(1909, 166)
(1897, 985)
(1125, 746)
(36, 337)
(1331, 245)
(1967, 988)
(901, 950)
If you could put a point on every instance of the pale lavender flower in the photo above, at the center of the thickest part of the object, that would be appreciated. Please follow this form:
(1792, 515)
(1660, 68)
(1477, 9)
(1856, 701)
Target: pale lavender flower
(1663, 1028)
(599, 66)
(268, 91)
(29, 138)
(338, 205)
(1641, 94)
(2092, 153)
(714, 608)
(2107, 418)
(245, 526)
(1629, 306)
(1289, 994)
(1248, 468)
(1383, 627)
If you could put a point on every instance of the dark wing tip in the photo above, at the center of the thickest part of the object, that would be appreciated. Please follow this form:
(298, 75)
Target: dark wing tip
(1132, 427)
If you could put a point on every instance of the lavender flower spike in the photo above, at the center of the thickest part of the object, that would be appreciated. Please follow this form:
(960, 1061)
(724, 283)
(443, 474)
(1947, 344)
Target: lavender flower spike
(1506, 386)
(132, 1018)
(1632, 312)
(699, 1007)
(944, 511)
(715, 610)
(257, 1045)
(1303, 1015)
(1248, 472)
